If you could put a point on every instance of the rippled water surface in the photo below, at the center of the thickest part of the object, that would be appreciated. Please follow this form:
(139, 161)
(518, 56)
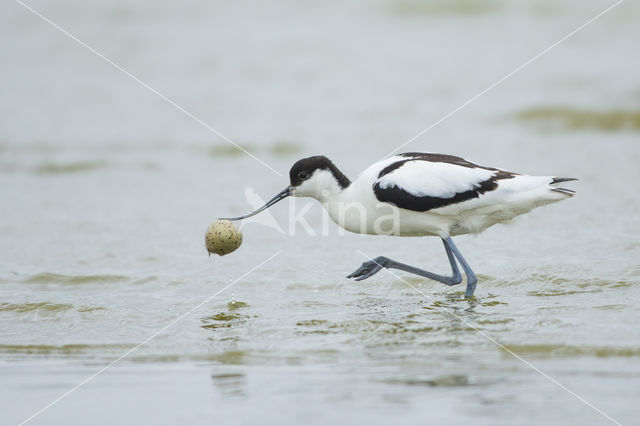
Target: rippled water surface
(107, 190)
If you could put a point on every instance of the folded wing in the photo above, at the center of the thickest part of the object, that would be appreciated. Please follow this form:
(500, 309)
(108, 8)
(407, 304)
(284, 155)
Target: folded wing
(422, 182)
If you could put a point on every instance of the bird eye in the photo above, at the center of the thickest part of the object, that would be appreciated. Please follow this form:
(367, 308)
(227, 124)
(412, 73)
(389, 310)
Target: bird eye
(303, 175)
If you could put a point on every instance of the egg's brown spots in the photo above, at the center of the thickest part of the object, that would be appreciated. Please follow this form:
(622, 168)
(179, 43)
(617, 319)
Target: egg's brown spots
(222, 237)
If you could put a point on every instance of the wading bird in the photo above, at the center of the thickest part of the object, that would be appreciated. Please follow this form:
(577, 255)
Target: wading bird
(420, 194)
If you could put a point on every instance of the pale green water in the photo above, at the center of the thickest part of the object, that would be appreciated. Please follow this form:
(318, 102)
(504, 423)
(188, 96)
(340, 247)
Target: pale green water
(107, 191)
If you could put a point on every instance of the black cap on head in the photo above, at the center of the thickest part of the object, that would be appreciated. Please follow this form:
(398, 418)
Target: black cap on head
(303, 169)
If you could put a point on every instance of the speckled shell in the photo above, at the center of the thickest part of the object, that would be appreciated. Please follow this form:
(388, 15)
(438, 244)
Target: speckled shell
(222, 237)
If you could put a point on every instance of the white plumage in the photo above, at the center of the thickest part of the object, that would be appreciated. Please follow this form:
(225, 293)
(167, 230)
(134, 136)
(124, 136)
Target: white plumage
(423, 178)
(511, 197)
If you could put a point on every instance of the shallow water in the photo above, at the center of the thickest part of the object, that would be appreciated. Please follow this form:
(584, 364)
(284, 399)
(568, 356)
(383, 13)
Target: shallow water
(107, 191)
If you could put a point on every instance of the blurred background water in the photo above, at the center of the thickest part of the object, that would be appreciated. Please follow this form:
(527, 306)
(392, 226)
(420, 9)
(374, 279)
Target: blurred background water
(107, 189)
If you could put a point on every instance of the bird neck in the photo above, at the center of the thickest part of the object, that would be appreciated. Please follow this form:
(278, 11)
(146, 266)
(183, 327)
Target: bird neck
(342, 180)
(325, 185)
(329, 192)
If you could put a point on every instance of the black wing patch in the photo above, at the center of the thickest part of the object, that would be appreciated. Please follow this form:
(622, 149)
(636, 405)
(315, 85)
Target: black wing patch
(406, 200)
(444, 158)
(440, 158)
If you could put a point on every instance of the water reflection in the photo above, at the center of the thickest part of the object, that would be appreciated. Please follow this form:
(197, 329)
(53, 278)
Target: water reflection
(230, 384)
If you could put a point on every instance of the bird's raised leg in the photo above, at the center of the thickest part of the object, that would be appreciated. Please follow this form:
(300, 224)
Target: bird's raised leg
(372, 267)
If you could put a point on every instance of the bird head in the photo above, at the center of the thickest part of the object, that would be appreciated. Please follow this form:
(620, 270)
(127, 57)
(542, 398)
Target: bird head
(315, 177)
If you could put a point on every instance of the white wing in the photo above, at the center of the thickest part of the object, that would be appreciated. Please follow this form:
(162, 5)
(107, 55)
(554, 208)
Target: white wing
(422, 182)
(432, 179)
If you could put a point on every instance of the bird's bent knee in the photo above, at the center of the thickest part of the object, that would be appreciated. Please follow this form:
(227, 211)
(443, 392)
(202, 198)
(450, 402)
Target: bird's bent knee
(381, 260)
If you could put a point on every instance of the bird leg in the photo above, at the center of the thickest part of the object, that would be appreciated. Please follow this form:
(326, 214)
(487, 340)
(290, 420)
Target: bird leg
(472, 279)
(372, 267)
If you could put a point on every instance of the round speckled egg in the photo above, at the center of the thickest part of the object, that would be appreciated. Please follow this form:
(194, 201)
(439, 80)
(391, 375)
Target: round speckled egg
(222, 237)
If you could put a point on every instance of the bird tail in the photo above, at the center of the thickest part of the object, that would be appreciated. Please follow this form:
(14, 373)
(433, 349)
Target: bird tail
(565, 191)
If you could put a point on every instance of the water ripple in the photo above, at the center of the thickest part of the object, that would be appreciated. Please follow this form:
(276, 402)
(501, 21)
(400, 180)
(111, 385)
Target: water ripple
(53, 278)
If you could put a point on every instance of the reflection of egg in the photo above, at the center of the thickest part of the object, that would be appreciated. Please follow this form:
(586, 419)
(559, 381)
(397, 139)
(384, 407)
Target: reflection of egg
(222, 237)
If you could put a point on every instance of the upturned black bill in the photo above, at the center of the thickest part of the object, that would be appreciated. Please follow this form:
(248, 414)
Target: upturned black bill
(281, 196)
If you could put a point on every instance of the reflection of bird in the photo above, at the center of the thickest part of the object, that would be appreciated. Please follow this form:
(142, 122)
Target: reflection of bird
(418, 194)
(256, 201)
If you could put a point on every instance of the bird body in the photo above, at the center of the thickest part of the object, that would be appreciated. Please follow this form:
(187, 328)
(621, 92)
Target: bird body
(430, 194)
(420, 194)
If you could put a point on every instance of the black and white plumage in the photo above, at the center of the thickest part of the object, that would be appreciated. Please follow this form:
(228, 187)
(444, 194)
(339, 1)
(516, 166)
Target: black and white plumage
(420, 194)
(443, 180)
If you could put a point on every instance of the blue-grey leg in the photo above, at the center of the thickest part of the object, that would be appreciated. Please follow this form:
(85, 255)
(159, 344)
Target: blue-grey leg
(472, 279)
(372, 267)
